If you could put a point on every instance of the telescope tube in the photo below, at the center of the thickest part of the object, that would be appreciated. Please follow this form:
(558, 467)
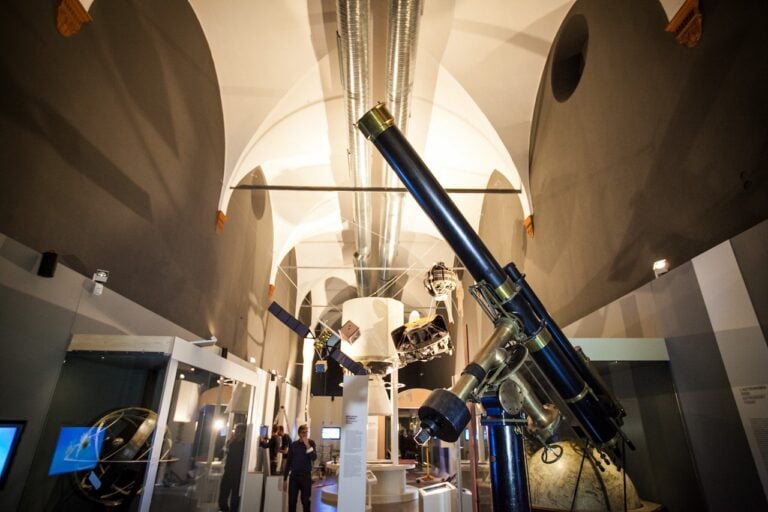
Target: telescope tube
(609, 403)
(378, 126)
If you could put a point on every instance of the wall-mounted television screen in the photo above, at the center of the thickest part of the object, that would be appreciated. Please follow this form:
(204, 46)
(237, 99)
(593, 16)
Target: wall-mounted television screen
(10, 433)
(330, 433)
(77, 449)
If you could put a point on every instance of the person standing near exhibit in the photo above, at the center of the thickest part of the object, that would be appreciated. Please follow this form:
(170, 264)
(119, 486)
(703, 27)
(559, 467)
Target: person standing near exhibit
(301, 455)
(233, 469)
(284, 445)
(273, 444)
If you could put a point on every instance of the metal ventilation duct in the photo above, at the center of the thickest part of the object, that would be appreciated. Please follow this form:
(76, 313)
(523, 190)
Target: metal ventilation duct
(352, 38)
(401, 55)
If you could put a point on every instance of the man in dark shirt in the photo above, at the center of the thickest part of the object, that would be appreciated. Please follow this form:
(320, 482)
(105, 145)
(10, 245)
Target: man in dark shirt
(301, 454)
(233, 469)
(284, 444)
(286, 439)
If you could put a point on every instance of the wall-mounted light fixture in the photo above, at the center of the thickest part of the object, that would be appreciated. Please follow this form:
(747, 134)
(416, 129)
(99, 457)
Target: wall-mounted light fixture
(99, 278)
(660, 267)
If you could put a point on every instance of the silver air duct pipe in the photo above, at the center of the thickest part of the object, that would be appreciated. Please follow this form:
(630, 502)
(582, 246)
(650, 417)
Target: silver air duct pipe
(352, 21)
(401, 55)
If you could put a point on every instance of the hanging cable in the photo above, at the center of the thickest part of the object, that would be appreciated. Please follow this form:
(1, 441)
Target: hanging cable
(624, 470)
(578, 478)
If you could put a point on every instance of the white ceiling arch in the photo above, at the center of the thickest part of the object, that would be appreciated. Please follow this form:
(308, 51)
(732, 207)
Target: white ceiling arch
(283, 110)
(294, 146)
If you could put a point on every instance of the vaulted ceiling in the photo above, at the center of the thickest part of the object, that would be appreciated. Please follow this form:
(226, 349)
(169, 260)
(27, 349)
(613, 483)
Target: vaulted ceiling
(123, 141)
(476, 77)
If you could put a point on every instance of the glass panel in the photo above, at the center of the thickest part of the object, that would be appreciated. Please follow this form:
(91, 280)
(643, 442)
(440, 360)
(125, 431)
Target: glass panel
(206, 425)
(93, 451)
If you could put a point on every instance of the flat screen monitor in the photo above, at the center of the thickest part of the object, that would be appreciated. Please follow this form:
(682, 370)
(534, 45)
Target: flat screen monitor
(77, 449)
(10, 433)
(330, 433)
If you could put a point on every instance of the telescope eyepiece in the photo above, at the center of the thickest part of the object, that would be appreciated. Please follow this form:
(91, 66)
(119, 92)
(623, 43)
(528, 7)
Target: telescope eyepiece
(423, 436)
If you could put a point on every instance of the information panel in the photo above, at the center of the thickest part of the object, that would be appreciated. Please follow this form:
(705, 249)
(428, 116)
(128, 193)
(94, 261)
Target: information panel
(352, 464)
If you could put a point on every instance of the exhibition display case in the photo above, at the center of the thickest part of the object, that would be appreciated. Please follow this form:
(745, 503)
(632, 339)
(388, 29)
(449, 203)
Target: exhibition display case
(143, 423)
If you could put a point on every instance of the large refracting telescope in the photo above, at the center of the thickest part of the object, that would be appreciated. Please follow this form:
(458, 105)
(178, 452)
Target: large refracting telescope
(522, 327)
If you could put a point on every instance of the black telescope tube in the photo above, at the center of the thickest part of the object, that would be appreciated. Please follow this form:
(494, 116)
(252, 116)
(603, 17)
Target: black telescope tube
(565, 346)
(378, 126)
(430, 195)
(519, 279)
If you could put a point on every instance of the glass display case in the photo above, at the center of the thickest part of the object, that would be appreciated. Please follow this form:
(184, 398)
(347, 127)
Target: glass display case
(146, 424)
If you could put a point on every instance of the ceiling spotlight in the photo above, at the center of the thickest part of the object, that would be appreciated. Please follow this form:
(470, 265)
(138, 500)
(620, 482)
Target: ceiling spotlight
(660, 267)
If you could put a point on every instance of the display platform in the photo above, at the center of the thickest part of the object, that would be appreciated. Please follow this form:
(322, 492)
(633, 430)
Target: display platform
(440, 497)
(389, 488)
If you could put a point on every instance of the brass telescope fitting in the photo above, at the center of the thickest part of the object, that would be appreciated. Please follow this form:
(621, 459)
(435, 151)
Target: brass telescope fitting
(375, 121)
(444, 413)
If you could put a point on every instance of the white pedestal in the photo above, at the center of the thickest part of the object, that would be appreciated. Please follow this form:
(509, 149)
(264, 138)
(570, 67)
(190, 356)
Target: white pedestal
(274, 497)
(466, 500)
(440, 497)
(389, 487)
(250, 498)
(390, 484)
